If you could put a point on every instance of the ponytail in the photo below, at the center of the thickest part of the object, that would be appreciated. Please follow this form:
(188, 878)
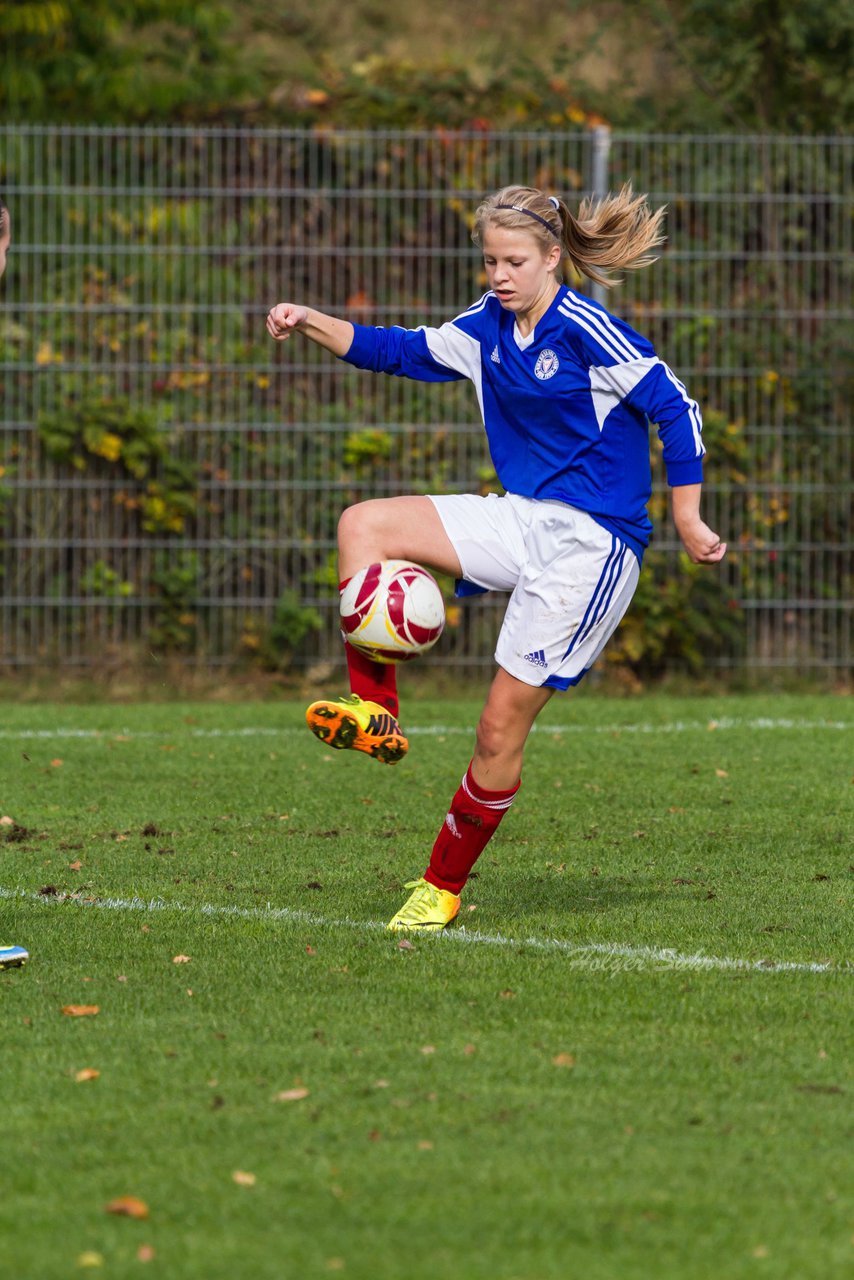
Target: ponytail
(616, 233)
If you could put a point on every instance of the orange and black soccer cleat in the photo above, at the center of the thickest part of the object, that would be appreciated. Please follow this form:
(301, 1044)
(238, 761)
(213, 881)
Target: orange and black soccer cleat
(349, 723)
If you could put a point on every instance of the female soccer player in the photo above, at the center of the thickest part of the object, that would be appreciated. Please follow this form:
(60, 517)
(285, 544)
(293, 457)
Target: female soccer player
(566, 392)
(10, 957)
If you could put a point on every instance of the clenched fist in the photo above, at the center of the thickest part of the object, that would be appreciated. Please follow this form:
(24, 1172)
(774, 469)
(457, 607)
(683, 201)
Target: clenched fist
(284, 318)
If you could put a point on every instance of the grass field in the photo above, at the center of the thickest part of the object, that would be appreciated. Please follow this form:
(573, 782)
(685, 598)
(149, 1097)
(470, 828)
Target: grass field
(633, 1060)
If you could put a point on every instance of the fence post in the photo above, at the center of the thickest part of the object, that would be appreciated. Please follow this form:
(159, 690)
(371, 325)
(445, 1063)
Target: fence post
(599, 184)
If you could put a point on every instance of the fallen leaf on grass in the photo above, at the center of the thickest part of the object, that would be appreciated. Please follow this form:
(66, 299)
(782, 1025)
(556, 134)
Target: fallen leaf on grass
(90, 1259)
(291, 1095)
(428, 1048)
(563, 1060)
(75, 866)
(469, 1050)
(405, 945)
(425, 1145)
(181, 959)
(721, 773)
(55, 764)
(81, 1010)
(6, 821)
(87, 1073)
(127, 1207)
(145, 1253)
(243, 1179)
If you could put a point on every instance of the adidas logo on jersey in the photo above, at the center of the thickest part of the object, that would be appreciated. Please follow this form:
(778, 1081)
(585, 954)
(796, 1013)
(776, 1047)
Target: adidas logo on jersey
(537, 659)
(495, 357)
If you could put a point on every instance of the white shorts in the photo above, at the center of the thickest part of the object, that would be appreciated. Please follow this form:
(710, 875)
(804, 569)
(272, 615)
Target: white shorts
(571, 580)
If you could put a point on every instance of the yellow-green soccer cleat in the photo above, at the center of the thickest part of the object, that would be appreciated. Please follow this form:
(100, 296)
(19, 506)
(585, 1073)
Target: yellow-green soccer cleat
(350, 723)
(426, 908)
(12, 957)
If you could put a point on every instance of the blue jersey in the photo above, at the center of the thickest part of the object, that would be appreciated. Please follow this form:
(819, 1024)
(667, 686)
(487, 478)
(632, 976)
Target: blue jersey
(566, 409)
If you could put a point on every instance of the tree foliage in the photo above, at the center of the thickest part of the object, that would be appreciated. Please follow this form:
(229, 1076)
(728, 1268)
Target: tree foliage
(763, 64)
(115, 61)
(650, 64)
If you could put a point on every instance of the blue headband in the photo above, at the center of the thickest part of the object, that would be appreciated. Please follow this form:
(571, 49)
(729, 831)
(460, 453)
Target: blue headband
(518, 208)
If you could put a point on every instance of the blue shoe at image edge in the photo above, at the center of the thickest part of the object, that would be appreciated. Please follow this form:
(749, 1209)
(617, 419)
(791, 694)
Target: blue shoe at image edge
(13, 957)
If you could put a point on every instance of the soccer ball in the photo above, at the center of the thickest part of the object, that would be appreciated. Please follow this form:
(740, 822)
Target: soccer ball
(392, 611)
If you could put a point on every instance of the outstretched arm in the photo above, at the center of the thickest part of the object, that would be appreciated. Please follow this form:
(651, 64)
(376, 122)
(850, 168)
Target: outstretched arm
(327, 331)
(702, 544)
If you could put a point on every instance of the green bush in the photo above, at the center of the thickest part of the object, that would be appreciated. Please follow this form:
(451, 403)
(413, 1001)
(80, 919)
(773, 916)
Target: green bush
(102, 436)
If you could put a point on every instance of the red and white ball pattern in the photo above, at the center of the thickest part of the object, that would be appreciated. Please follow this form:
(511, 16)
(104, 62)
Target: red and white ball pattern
(392, 611)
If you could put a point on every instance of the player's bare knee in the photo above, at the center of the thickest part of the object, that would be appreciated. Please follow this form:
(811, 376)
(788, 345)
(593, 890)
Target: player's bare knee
(491, 736)
(365, 521)
(356, 524)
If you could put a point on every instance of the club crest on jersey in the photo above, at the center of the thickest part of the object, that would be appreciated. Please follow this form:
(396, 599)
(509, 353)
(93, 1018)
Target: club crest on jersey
(547, 364)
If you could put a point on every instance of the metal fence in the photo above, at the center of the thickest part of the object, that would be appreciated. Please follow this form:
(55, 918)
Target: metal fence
(170, 479)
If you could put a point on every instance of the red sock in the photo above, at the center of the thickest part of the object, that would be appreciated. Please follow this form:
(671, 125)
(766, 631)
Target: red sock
(373, 681)
(472, 820)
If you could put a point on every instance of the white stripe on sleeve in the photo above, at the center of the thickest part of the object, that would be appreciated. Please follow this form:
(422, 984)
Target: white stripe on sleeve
(610, 384)
(602, 323)
(693, 410)
(459, 351)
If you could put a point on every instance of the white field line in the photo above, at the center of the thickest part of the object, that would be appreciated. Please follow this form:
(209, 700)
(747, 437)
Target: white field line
(432, 730)
(603, 956)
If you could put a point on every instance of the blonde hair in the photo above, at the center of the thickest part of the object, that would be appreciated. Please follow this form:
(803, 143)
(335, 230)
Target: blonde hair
(615, 233)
